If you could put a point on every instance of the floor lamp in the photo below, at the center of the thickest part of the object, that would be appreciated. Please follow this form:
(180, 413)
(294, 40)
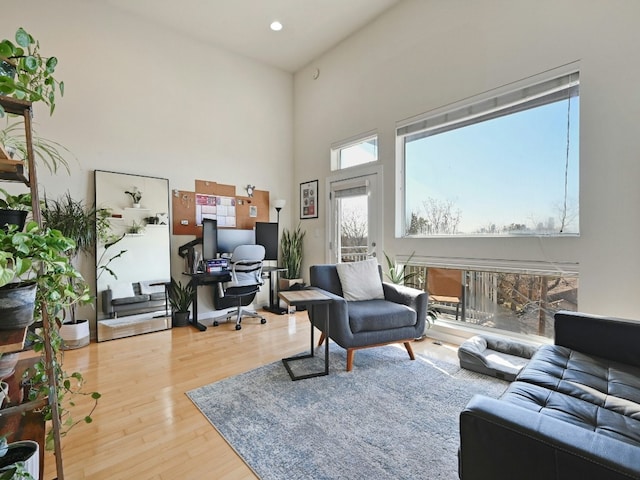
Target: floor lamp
(274, 305)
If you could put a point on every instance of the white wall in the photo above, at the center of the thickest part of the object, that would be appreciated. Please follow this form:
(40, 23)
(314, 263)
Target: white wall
(143, 99)
(422, 55)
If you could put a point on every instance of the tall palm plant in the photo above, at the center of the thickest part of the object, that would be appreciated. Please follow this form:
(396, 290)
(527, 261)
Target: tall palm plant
(76, 221)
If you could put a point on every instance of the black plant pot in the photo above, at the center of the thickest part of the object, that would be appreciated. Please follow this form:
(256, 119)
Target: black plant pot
(22, 451)
(7, 70)
(12, 217)
(17, 303)
(180, 319)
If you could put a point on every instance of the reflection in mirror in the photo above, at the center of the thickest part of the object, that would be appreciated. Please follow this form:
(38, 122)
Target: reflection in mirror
(133, 254)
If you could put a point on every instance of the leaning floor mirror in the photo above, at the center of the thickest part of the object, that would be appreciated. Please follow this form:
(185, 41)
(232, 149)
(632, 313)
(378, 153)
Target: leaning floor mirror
(133, 254)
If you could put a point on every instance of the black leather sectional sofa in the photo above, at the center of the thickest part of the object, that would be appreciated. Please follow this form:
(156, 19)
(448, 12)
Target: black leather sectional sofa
(572, 413)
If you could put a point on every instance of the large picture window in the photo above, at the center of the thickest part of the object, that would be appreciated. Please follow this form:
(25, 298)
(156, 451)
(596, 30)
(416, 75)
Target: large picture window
(504, 164)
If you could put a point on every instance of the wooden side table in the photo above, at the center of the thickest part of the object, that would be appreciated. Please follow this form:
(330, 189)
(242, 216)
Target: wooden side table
(307, 298)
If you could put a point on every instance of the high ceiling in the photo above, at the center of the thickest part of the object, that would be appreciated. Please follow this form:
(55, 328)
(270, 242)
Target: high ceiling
(311, 27)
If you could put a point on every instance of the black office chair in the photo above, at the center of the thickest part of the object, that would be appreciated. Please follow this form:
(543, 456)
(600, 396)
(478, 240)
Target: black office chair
(246, 279)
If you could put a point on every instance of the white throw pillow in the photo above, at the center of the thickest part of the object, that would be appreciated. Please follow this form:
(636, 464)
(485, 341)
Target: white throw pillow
(360, 280)
(122, 290)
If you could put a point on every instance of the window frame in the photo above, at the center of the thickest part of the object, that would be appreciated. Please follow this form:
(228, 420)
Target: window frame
(474, 110)
(337, 147)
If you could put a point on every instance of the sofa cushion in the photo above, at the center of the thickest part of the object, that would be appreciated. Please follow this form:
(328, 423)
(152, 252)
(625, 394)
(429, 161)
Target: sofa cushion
(374, 315)
(360, 280)
(129, 300)
(575, 411)
(605, 383)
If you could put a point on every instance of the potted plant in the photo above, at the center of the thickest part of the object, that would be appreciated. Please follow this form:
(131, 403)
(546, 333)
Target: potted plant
(19, 460)
(291, 245)
(26, 74)
(14, 209)
(78, 223)
(135, 195)
(180, 299)
(47, 152)
(37, 258)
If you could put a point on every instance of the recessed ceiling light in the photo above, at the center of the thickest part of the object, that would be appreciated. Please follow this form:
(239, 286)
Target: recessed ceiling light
(276, 26)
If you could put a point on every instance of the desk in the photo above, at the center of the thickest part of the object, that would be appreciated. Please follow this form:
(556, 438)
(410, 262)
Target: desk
(198, 279)
(309, 297)
(274, 303)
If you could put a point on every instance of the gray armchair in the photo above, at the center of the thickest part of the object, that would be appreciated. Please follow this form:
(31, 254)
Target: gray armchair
(398, 318)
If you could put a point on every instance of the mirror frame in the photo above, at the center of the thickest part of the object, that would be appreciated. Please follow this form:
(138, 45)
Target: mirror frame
(114, 263)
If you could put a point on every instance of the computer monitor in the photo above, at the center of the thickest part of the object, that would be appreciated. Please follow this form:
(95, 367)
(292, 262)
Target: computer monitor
(209, 238)
(230, 238)
(267, 236)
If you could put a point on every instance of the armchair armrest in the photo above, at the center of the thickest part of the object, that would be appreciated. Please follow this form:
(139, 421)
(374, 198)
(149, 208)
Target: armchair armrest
(338, 318)
(416, 299)
(612, 338)
(500, 440)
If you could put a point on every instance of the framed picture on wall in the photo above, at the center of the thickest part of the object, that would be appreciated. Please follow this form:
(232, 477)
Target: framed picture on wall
(309, 199)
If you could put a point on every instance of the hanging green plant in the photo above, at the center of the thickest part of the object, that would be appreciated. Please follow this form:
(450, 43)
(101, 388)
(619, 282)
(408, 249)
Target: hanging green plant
(27, 75)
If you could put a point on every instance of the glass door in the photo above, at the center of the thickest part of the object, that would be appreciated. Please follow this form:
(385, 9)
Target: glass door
(354, 219)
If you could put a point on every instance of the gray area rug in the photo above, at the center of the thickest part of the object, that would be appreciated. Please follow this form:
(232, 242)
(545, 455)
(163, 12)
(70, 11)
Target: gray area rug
(389, 418)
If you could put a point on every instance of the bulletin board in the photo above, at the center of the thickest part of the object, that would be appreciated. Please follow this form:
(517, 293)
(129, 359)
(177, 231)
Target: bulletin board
(247, 210)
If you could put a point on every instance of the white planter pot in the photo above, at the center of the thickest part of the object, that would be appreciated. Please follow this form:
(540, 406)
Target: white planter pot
(75, 335)
(30, 458)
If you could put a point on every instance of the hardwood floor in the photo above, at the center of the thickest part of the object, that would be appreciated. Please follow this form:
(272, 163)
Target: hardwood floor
(145, 427)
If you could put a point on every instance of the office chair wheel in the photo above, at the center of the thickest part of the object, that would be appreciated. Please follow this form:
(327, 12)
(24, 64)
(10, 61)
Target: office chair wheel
(263, 321)
(238, 326)
(215, 323)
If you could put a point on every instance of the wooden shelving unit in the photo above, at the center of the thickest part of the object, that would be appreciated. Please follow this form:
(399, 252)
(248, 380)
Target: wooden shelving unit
(14, 171)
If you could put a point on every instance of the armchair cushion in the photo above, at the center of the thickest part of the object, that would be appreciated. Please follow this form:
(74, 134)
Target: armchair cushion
(360, 280)
(375, 315)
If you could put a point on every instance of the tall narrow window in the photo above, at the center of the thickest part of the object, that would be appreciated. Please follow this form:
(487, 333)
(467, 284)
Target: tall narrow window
(503, 165)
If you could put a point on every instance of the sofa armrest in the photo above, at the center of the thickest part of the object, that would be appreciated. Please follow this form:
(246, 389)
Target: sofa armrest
(107, 297)
(416, 299)
(612, 338)
(499, 440)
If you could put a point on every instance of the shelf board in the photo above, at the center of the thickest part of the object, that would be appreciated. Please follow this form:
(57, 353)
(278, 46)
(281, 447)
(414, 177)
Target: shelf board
(12, 340)
(13, 171)
(12, 105)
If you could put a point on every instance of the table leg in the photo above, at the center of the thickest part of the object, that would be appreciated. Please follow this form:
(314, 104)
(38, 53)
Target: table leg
(287, 360)
(194, 303)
